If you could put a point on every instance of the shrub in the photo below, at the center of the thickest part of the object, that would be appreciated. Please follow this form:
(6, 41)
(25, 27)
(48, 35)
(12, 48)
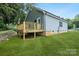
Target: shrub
(2, 25)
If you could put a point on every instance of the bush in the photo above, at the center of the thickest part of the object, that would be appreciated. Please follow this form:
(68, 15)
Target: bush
(2, 25)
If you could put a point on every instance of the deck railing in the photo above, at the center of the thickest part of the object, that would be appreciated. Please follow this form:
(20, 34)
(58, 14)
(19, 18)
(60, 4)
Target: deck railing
(30, 26)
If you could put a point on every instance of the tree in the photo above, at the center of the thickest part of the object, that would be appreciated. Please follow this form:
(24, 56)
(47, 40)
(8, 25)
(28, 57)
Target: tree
(9, 12)
(27, 8)
(76, 21)
(23, 12)
(70, 23)
(76, 17)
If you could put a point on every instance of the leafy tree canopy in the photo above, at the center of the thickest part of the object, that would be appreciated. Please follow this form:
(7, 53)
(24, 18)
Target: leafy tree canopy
(76, 17)
(9, 11)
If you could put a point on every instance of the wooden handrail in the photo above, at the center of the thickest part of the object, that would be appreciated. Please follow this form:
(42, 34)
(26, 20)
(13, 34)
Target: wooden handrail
(30, 26)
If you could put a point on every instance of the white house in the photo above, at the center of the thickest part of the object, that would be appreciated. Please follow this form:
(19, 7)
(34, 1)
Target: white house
(46, 23)
(51, 23)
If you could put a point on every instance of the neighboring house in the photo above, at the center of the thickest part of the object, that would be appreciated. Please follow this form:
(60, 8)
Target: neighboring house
(50, 23)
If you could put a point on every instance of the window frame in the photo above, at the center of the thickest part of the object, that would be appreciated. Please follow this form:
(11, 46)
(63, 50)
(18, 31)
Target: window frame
(61, 24)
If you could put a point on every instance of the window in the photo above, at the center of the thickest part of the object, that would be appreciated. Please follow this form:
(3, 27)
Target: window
(39, 21)
(60, 24)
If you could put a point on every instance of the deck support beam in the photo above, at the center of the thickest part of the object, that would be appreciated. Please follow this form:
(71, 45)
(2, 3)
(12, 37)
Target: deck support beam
(34, 30)
(24, 30)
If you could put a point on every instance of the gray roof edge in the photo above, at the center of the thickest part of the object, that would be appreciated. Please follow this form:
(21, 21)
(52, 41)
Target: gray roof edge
(50, 14)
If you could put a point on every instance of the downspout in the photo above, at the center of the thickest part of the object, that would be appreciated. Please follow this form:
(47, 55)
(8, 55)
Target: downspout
(58, 27)
(44, 23)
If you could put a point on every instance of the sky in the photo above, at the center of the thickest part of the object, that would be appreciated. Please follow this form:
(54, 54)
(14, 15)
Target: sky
(64, 10)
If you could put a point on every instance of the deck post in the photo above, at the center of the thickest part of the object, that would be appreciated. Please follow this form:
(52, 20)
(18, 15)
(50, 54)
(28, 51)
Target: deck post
(24, 30)
(34, 30)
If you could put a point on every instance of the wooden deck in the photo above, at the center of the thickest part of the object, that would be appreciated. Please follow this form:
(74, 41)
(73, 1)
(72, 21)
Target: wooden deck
(30, 27)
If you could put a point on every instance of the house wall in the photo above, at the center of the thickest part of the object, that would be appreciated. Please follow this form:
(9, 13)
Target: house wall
(34, 14)
(52, 25)
(64, 28)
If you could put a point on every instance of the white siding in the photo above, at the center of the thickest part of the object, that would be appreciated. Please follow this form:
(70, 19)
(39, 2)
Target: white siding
(64, 27)
(52, 24)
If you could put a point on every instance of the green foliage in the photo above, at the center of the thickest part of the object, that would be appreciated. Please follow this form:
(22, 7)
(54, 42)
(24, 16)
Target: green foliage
(9, 11)
(76, 21)
(23, 12)
(27, 8)
(2, 25)
(76, 17)
(70, 23)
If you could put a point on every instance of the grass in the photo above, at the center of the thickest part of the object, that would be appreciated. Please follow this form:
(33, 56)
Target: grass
(56, 45)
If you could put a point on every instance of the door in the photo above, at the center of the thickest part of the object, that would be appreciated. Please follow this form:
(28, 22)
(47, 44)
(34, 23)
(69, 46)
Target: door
(38, 21)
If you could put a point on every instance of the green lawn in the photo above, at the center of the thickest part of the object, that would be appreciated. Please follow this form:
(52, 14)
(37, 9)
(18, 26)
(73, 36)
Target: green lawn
(60, 44)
